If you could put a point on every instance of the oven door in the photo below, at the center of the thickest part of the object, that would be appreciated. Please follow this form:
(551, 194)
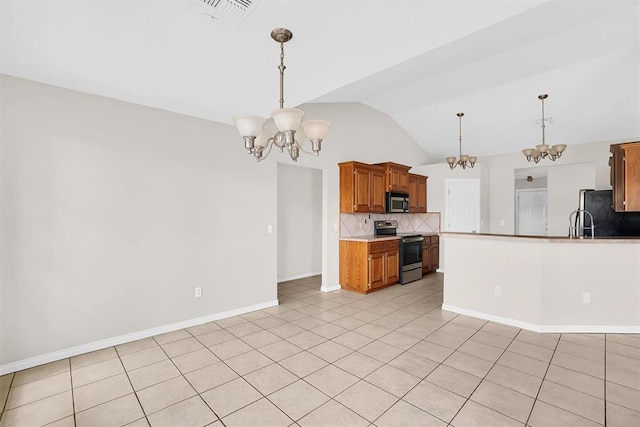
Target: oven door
(411, 252)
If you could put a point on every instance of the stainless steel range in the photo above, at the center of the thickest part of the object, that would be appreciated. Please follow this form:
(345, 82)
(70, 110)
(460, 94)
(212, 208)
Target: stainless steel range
(410, 250)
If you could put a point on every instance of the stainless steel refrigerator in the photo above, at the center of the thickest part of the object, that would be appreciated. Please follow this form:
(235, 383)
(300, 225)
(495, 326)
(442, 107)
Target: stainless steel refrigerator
(608, 223)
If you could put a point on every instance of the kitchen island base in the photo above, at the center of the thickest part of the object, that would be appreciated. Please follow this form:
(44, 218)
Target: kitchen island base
(544, 284)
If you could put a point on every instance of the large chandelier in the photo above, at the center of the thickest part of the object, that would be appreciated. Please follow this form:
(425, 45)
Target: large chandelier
(464, 160)
(259, 141)
(543, 151)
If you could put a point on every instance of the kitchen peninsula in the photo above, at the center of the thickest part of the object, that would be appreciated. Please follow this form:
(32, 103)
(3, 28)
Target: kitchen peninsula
(545, 284)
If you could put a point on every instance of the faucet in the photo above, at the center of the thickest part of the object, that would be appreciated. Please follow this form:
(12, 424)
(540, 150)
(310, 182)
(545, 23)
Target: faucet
(577, 231)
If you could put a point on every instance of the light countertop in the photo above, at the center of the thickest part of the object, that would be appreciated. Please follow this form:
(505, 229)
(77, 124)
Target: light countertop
(372, 238)
(553, 239)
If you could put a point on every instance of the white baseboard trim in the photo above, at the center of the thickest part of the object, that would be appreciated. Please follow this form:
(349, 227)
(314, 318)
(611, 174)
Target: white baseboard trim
(299, 276)
(608, 329)
(439, 270)
(110, 342)
(331, 288)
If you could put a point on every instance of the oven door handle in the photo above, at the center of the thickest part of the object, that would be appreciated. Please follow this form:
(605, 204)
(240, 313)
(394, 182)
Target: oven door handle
(412, 239)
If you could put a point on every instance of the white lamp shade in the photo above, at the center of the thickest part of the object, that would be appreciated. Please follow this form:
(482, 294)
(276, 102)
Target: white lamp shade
(263, 138)
(316, 129)
(249, 125)
(528, 152)
(464, 157)
(287, 118)
(560, 147)
(543, 148)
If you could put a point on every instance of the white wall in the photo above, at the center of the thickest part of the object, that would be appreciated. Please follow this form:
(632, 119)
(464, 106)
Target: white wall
(112, 213)
(299, 222)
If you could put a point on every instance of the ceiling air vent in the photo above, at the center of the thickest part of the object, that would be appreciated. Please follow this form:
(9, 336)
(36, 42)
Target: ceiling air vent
(228, 11)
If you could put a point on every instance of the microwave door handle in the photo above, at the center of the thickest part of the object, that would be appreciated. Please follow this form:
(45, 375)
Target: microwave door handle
(405, 204)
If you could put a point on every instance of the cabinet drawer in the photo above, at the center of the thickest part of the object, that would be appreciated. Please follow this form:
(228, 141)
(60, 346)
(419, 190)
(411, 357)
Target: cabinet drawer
(435, 240)
(392, 245)
(376, 247)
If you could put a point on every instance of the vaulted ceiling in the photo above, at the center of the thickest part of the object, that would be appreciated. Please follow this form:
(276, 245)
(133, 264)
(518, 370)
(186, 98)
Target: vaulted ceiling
(420, 62)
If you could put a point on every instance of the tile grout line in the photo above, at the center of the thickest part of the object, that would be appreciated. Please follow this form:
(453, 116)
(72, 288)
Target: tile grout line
(73, 400)
(485, 375)
(131, 384)
(184, 377)
(543, 379)
(239, 376)
(6, 399)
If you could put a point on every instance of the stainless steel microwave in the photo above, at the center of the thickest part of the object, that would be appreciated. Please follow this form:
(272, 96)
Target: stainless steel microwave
(397, 202)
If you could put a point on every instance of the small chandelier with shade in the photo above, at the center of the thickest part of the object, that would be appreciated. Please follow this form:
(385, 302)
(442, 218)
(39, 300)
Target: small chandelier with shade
(291, 130)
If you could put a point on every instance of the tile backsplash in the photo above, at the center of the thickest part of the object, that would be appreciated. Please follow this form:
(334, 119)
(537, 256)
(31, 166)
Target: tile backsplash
(354, 225)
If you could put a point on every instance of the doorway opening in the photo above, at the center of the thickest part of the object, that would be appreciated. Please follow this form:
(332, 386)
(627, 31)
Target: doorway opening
(299, 230)
(531, 202)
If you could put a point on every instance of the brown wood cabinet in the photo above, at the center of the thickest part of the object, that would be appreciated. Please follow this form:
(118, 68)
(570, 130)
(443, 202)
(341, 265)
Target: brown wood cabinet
(368, 266)
(430, 254)
(362, 188)
(396, 177)
(625, 176)
(417, 193)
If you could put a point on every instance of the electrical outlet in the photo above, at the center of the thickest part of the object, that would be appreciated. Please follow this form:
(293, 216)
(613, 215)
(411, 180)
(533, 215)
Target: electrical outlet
(269, 228)
(198, 292)
(335, 225)
(502, 222)
(586, 298)
(497, 290)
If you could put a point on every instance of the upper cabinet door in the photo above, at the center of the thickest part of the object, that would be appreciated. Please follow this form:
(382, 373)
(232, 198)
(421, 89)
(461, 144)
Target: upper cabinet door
(377, 191)
(417, 193)
(625, 174)
(362, 190)
(397, 177)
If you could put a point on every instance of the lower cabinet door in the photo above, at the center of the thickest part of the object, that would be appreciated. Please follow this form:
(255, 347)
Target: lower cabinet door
(426, 267)
(435, 257)
(376, 270)
(393, 262)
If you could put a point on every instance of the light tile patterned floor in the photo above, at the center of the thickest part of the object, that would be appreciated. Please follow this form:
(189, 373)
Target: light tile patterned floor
(390, 358)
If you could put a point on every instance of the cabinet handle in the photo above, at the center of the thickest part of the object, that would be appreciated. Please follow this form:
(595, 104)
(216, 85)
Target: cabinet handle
(370, 272)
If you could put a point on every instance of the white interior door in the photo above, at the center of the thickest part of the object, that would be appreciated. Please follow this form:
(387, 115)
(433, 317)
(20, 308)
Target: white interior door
(531, 212)
(462, 205)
